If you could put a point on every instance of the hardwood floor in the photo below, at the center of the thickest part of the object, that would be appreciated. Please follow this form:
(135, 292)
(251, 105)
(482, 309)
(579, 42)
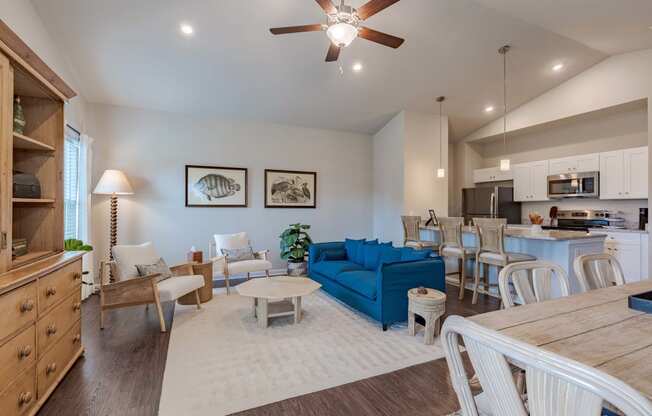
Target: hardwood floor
(122, 373)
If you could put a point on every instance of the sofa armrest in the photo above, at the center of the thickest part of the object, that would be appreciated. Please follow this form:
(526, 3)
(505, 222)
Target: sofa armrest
(315, 250)
(395, 279)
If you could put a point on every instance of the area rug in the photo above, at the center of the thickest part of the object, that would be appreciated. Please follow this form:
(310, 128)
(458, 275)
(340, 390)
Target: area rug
(220, 362)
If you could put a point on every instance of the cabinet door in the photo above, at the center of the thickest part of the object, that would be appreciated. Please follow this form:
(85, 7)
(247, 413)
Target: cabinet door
(645, 256)
(564, 165)
(611, 175)
(588, 163)
(635, 162)
(522, 182)
(539, 187)
(629, 257)
(500, 175)
(483, 175)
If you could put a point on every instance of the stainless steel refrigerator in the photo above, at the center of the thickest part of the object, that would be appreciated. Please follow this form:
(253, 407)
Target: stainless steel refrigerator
(490, 202)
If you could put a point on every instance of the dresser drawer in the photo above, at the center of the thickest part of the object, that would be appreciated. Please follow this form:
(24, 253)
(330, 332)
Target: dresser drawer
(17, 309)
(52, 326)
(58, 284)
(18, 354)
(53, 362)
(20, 397)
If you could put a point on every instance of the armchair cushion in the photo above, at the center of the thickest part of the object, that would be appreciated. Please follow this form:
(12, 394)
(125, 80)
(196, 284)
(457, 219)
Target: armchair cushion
(231, 241)
(177, 286)
(247, 266)
(127, 257)
(160, 268)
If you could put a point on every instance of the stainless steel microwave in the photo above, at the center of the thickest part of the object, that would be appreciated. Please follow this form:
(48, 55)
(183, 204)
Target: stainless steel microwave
(574, 185)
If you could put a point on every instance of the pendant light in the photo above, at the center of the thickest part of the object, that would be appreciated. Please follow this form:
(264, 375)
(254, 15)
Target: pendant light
(504, 163)
(441, 172)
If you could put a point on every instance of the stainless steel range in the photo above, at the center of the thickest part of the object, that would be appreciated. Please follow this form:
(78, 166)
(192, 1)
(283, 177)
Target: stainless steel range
(582, 220)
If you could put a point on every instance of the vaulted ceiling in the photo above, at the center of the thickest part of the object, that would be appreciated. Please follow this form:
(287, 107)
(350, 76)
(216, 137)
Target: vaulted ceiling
(131, 53)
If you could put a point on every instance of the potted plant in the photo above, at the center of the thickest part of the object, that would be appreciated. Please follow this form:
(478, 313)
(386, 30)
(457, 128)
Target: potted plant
(294, 247)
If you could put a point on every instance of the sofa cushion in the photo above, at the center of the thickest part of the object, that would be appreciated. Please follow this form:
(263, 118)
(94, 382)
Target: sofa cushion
(360, 256)
(352, 247)
(331, 269)
(333, 254)
(372, 253)
(408, 253)
(389, 255)
(359, 281)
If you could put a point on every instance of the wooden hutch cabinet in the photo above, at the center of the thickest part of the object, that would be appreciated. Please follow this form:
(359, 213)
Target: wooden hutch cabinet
(40, 288)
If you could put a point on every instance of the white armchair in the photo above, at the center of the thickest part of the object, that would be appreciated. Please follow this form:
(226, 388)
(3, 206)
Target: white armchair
(260, 263)
(130, 289)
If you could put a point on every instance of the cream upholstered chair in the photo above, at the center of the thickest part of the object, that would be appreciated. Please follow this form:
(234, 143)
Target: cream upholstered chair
(491, 251)
(555, 385)
(411, 236)
(260, 263)
(532, 281)
(597, 271)
(131, 289)
(452, 246)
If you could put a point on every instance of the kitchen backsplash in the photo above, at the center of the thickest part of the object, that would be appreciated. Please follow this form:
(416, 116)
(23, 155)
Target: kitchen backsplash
(625, 209)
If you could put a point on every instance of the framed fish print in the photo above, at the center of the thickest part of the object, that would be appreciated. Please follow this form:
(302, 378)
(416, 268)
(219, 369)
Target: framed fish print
(214, 186)
(290, 189)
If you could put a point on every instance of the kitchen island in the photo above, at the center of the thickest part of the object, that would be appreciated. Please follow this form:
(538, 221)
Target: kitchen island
(558, 246)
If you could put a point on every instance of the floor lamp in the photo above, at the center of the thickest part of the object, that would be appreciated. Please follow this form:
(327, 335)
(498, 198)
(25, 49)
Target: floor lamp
(113, 183)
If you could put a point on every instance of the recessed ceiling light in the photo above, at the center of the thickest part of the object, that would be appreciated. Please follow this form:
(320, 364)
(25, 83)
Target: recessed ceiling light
(186, 29)
(357, 67)
(489, 109)
(558, 67)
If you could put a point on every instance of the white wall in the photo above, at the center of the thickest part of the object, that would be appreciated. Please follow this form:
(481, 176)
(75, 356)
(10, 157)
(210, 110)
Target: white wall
(388, 165)
(152, 148)
(23, 19)
(406, 159)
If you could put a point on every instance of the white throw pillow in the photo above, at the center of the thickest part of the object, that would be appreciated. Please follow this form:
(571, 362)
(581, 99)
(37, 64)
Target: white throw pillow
(127, 257)
(231, 241)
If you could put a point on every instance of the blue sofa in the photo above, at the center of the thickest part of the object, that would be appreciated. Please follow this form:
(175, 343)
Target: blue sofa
(374, 278)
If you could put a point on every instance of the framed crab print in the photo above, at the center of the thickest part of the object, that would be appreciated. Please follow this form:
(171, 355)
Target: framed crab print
(215, 186)
(290, 189)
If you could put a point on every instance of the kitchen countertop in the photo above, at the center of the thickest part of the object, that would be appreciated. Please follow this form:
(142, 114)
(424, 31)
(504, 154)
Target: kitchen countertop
(527, 233)
(617, 230)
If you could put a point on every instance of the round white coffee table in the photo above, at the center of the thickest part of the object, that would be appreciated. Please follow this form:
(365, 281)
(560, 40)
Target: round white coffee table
(431, 307)
(265, 291)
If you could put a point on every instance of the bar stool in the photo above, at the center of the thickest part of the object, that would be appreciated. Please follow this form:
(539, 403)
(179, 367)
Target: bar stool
(452, 246)
(411, 236)
(491, 251)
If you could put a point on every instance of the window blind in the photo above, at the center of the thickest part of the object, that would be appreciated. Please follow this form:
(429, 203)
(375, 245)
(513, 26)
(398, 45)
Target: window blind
(71, 183)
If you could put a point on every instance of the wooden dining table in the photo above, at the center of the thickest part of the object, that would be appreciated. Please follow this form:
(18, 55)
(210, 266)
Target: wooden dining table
(596, 328)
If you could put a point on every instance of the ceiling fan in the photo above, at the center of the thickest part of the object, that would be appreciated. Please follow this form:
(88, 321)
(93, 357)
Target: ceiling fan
(343, 26)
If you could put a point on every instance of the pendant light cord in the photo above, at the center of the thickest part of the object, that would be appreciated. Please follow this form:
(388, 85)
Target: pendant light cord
(440, 146)
(504, 50)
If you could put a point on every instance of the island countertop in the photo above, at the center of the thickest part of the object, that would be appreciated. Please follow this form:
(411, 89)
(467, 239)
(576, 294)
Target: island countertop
(527, 233)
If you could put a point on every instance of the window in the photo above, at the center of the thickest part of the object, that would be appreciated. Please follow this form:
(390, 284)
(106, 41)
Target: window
(71, 183)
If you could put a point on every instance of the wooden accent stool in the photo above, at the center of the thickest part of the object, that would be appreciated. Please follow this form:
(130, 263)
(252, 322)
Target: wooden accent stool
(431, 307)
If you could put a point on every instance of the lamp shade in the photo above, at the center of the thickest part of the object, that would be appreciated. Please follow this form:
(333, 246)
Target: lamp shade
(113, 182)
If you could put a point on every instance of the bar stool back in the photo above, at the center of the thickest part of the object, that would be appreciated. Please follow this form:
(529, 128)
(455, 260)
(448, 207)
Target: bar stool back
(450, 229)
(411, 237)
(491, 251)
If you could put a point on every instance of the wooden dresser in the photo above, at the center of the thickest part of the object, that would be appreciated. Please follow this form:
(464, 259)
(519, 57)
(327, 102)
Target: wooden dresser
(40, 288)
(40, 330)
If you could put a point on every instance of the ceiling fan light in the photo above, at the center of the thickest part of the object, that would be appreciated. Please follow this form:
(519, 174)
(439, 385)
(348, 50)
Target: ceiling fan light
(342, 34)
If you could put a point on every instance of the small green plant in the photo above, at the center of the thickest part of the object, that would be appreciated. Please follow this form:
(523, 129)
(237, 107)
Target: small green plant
(72, 244)
(294, 243)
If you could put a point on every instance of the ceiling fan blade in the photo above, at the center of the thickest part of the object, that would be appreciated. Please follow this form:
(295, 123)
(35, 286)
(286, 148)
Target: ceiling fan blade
(295, 29)
(380, 37)
(328, 6)
(333, 53)
(374, 6)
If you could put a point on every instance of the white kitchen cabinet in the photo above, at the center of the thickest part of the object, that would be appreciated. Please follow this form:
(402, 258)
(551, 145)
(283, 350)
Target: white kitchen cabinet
(623, 174)
(626, 248)
(492, 175)
(530, 181)
(645, 256)
(575, 164)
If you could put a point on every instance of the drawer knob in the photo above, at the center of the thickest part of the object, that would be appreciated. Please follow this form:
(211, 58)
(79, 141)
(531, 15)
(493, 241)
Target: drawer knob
(24, 398)
(51, 291)
(25, 351)
(27, 306)
(76, 306)
(76, 339)
(51, 368)
(51, 330)
(76, 276)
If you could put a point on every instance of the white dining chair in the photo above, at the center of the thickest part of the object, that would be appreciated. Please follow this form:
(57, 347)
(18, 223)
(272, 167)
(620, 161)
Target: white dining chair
(555, 385)
(532, 281)
(597, 271)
